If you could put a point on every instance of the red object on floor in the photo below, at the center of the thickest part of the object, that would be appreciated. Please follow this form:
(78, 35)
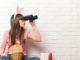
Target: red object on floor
(50, 56)
(46, 56)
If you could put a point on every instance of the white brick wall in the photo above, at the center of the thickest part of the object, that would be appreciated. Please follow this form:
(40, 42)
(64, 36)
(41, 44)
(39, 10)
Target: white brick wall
(58, 23)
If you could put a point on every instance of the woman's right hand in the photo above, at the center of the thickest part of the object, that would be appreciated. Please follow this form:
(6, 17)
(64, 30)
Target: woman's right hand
(1, 55)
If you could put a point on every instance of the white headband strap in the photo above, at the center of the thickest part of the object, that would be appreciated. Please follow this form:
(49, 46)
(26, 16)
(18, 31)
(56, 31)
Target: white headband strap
(15, 15)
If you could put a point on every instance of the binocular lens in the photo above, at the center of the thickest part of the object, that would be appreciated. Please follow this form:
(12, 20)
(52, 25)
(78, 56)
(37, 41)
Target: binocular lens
(29, 17)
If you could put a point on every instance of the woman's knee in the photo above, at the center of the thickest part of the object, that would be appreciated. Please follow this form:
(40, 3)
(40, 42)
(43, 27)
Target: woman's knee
(4, 58)
(34, 58)
(25, 58)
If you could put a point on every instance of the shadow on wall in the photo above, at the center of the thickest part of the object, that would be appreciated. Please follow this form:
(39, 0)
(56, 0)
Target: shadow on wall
(34, 48)
(37, 49)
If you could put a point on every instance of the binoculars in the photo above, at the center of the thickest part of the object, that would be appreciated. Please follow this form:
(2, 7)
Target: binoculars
(29, 17)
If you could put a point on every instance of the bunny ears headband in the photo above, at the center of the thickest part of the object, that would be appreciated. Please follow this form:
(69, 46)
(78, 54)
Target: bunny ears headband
(18, 10)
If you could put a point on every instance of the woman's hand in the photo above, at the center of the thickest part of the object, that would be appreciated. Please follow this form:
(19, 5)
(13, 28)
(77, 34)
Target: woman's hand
(1, 55)
(32, 23)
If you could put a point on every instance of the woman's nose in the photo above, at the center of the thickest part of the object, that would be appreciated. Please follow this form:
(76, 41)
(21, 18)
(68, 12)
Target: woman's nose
(24, 23)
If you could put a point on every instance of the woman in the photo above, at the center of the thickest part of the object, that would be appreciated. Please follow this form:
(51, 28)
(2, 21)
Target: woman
(18, 34)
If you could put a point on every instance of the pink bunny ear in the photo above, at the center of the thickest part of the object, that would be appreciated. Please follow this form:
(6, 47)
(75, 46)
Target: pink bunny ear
(18, 9)
(21, 10)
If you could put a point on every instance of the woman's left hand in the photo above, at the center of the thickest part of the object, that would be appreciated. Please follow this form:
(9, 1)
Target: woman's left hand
(32, 23)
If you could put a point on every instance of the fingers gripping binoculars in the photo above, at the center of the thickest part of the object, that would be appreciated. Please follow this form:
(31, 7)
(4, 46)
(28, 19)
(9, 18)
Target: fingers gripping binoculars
(29, 17)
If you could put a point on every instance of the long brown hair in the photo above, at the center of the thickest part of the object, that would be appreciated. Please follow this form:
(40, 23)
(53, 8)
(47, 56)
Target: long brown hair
(16, 31)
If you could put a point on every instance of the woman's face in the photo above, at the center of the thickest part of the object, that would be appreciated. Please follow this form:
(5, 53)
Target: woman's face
(22, 23)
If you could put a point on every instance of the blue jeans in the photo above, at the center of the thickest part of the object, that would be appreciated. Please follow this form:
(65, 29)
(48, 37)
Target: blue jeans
(24, 58)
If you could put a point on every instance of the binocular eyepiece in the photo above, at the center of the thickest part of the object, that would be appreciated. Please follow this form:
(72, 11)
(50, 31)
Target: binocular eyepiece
(29, 17)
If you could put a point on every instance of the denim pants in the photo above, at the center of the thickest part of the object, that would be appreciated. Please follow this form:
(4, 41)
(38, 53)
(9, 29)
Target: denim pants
(24, 58)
